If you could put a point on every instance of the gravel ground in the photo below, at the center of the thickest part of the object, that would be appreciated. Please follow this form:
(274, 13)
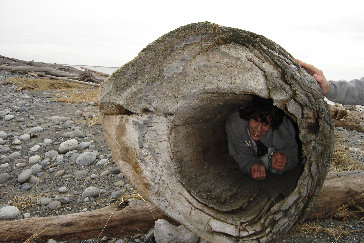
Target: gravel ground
(38, 180)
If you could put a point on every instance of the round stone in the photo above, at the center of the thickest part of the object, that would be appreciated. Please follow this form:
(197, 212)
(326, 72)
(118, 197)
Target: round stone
(9, 212)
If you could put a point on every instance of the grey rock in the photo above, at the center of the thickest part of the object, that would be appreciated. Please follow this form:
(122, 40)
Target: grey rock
(63, 200)
(2, 142)
(54, 205)
(35, 148)
(4, 149)
(77, 133)
(91, 192)
(51, 154)
(34, 159)
(44, 201)
(17, 142)
(164, 232)
(25, 137)
(47, 141)
(26, 186)
(86, 158)
(102, 161)
(8, 117)
(59, 173)
(105, 173)
(33, 180)
(36, 168)
(24, 175)
(35, 130)
(84, 145)
(68, 145)
(4, 177)
(9, 212)
(3, 135)
(63, 189)
(14, 155)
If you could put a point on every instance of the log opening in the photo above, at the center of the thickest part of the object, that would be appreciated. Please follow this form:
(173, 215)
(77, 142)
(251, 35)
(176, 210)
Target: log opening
(200, 153)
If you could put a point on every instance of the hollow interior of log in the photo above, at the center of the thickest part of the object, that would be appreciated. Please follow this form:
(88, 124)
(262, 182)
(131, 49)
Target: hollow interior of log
(200, 153)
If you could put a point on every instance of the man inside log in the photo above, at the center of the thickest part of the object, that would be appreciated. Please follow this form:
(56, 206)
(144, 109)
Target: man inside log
(261, 139)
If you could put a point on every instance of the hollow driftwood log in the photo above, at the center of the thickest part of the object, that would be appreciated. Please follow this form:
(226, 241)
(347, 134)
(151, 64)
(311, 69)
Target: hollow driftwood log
(164, 120)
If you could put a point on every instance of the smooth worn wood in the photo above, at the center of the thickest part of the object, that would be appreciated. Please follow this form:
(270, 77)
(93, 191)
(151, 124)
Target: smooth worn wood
(138, 217)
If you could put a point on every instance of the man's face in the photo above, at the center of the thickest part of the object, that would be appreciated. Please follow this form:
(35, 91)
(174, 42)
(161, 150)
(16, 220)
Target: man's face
(257, 129)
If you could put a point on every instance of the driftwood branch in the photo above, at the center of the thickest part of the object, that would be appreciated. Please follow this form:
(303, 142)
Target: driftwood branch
(138, 217)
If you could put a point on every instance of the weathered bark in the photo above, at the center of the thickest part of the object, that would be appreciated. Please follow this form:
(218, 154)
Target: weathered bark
(164, 120)
(339, 189)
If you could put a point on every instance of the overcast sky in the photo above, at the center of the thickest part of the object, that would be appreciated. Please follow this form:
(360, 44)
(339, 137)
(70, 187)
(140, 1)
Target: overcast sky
(328, 34)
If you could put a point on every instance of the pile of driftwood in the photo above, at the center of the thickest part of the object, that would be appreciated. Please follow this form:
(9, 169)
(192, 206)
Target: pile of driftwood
(53, 71)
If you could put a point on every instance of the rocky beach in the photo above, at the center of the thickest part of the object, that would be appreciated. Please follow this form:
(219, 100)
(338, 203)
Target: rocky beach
(54, 161)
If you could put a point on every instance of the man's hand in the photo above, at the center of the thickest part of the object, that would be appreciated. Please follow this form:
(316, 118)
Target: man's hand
(318, 75)
(257, 172)
(279, 161)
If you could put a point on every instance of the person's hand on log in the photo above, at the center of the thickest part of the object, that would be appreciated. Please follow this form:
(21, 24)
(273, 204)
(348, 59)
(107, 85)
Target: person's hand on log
(318, 75)
(279, 161)
(257, 172)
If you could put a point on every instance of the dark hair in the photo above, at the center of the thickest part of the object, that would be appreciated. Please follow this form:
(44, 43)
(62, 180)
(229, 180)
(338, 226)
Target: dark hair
(261, 109)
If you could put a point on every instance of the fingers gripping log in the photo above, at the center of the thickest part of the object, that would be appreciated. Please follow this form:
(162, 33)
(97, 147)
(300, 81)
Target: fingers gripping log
(164, 120)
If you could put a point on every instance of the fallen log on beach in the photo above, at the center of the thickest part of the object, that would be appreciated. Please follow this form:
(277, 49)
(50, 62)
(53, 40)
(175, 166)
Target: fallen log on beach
(53, 71)
(164, 120)
(137, 217)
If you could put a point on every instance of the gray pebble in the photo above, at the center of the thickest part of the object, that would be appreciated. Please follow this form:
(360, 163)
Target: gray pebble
(5, 165)
(35, 130)
(34, 159)
(33, 179)
(63, 200)
(17, 142)
(47, 141)
(86, 158)
(59, 173)
(52, 154)
(3, 135)
(68, 145)
(4, 177)
(9, 212)
(44, 201)
(25, 137)
(105, 173)
(84, 145)
(2, 142)
(4, 149)
(24, 175)
(77, 133)
(102, 161)
(63, 189)
(8, 117)
(54, 204)
(36, 168)
(26, 186)
(91, 192)
(35, 148)
(14, 155)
